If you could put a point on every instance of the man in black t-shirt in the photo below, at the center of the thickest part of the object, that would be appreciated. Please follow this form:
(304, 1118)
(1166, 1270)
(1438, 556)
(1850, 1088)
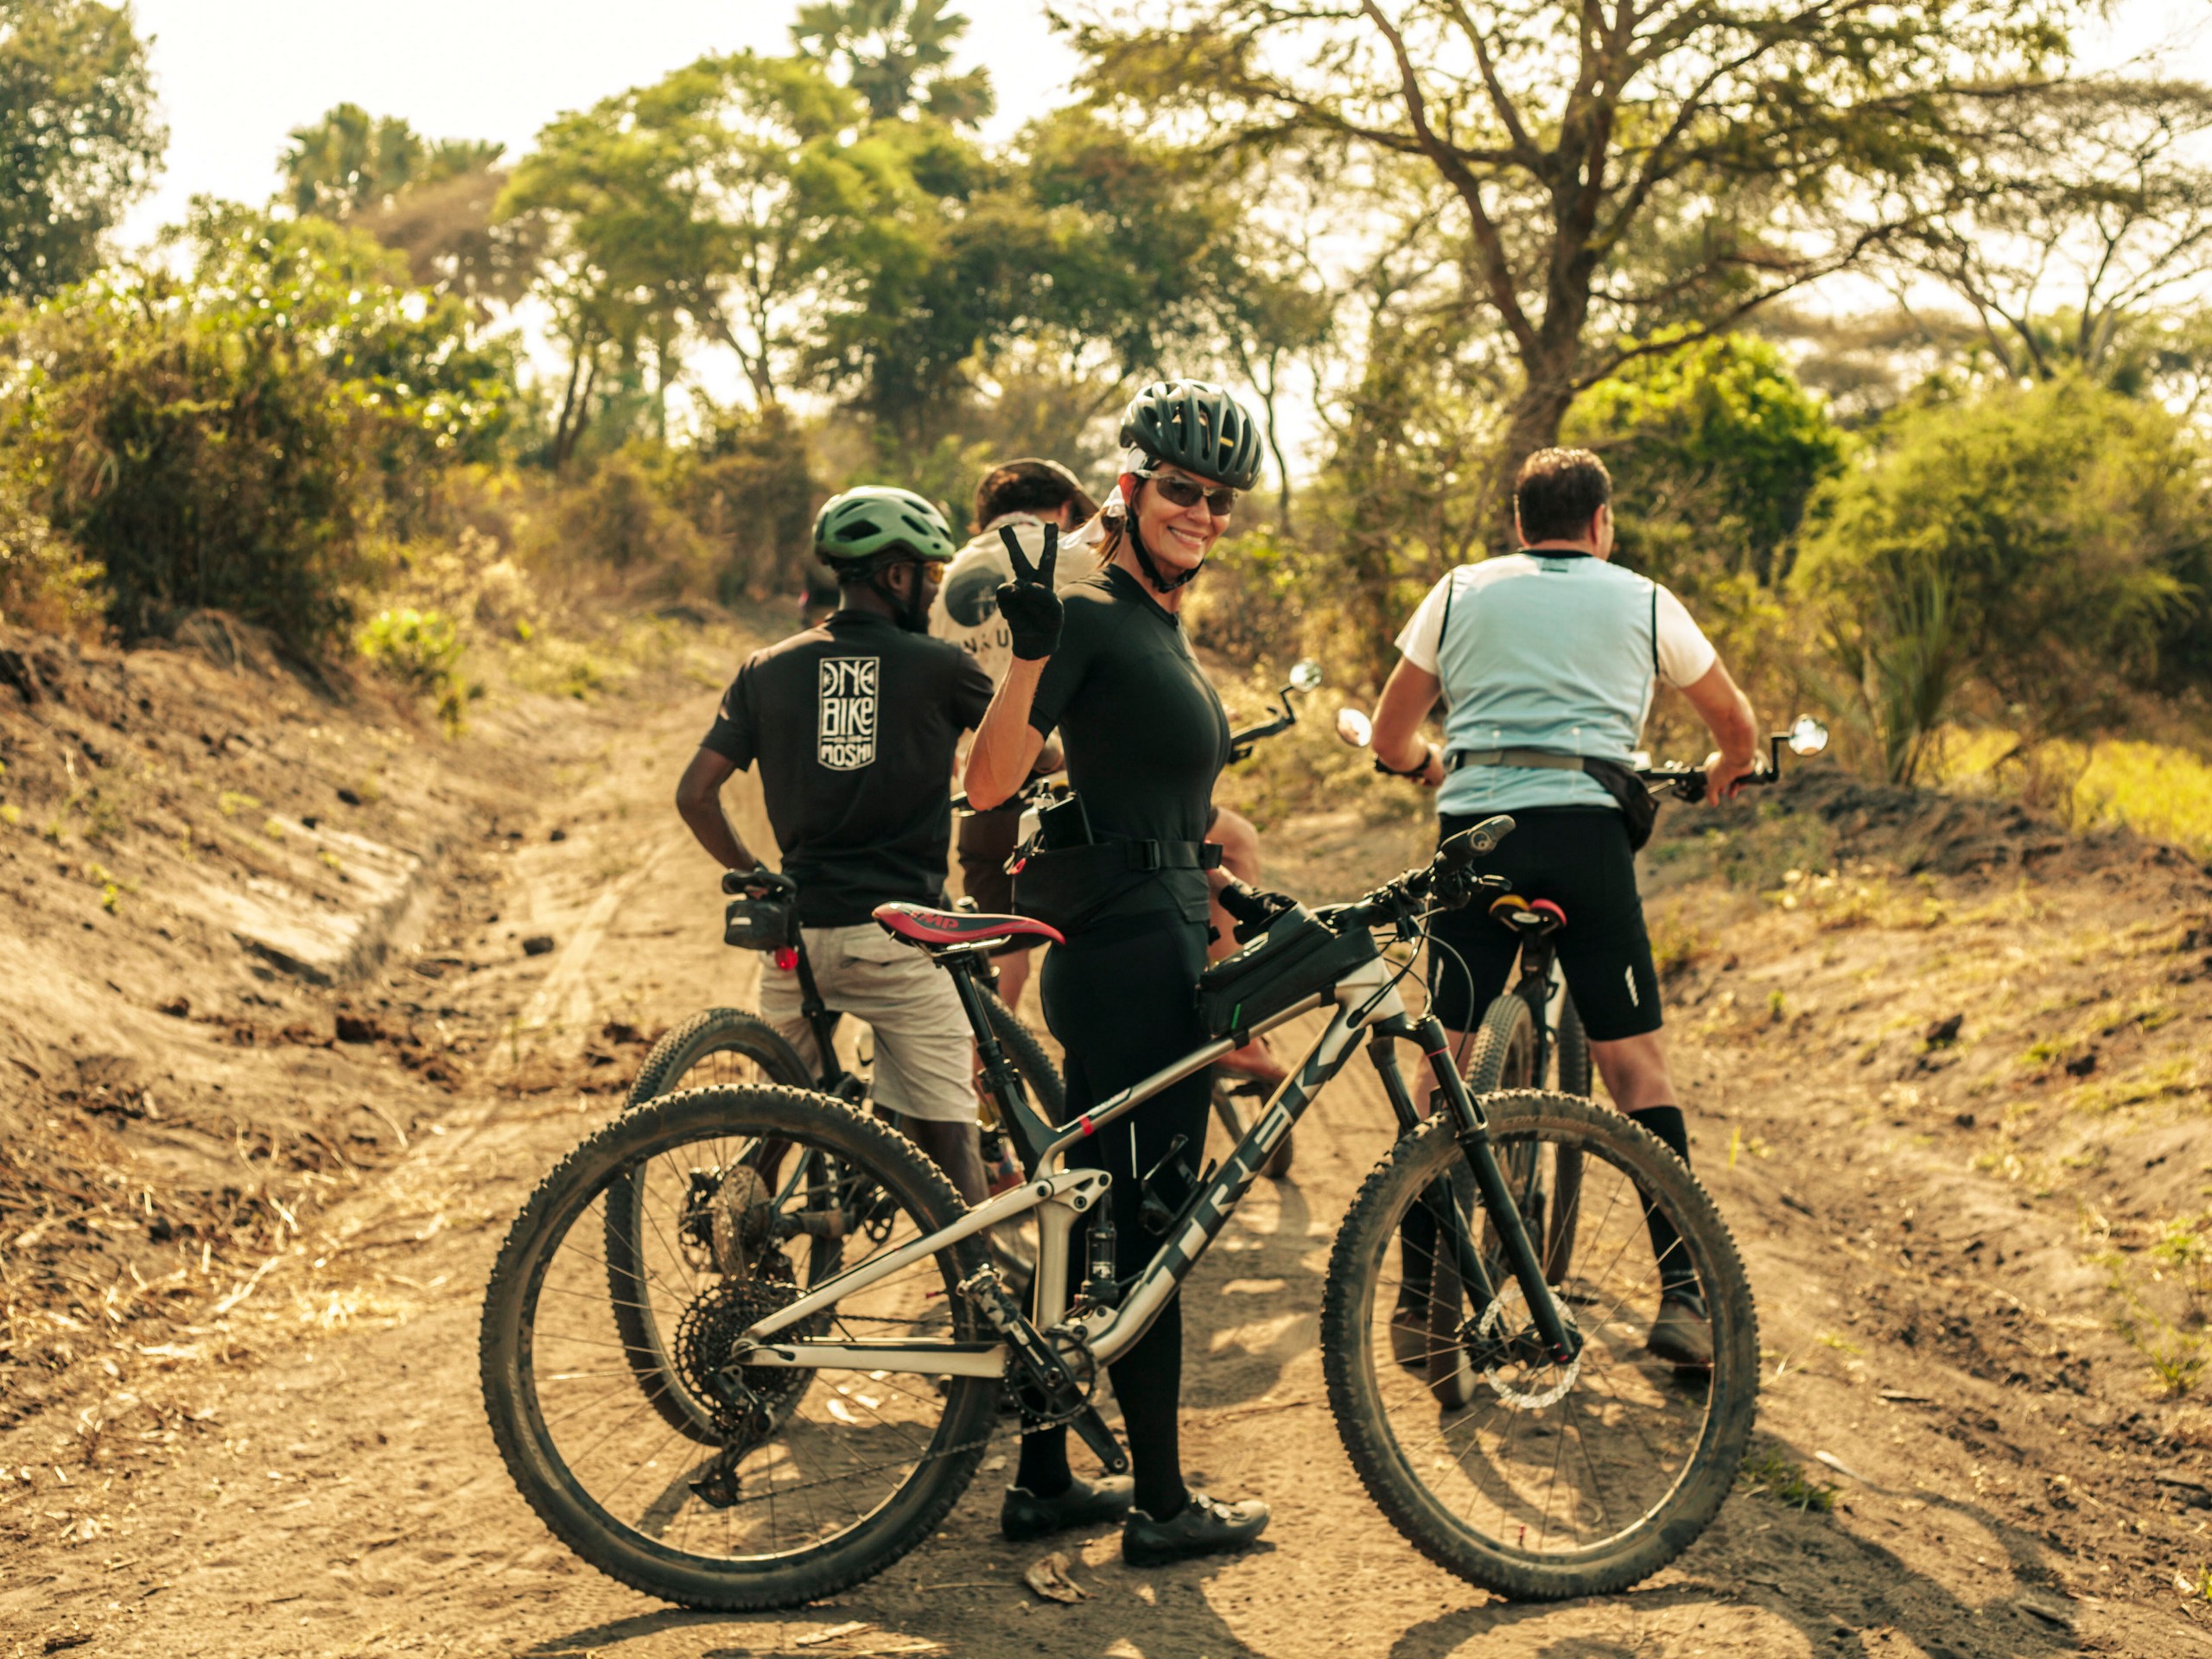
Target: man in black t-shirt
(853, 726)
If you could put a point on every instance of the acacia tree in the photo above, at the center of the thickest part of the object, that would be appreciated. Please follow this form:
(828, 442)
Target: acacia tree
(1620, 164)
(2080, 211)
(710, 205)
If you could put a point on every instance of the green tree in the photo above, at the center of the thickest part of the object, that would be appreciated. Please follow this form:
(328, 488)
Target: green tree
(235, 439)
(1715, 441)
(2078, 212)
(896, 55)
(2026, 553)
(350, 160)
(1616, 166)
(712, 204)
(79, 139)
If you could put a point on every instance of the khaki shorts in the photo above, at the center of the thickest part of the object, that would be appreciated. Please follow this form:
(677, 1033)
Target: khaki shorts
(923, 1045)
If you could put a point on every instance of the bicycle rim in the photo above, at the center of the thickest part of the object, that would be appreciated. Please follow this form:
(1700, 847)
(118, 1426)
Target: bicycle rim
(1536, 1479)
(838, 1471)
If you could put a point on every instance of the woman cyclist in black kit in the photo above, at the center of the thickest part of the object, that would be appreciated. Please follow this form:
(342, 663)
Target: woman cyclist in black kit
(1106, 662)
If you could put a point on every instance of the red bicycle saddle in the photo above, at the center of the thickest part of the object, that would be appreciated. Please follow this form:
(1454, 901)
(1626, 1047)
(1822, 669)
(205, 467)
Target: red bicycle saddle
(919, 925)
(1514, 910)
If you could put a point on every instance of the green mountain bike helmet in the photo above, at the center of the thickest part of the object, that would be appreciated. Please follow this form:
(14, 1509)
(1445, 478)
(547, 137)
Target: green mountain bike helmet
(1197, 426)
(865, 523)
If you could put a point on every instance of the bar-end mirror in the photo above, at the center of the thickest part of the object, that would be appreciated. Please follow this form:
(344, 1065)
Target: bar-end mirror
(1355, 727)
(1807, 737)
(1305, 675)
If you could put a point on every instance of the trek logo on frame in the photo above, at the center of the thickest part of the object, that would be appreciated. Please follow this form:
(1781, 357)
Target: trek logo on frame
(845, 737)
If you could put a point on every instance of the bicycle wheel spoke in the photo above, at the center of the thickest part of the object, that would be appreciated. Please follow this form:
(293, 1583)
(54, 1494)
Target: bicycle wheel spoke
(738, 1467)
(1495, 1464)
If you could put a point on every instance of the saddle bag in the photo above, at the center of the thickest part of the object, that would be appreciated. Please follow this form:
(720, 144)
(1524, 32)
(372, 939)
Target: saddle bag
(1297, 956)
(759, 924)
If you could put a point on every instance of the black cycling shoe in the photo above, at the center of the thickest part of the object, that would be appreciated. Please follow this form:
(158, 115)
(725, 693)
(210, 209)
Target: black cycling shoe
(1205, 1526)
(1024, 1516)
(1682, 1334)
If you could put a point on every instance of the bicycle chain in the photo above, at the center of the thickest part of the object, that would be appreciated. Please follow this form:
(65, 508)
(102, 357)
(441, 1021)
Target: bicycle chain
(1058, 1420)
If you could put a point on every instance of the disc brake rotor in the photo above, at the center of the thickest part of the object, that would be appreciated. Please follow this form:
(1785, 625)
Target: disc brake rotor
(1491, 1332)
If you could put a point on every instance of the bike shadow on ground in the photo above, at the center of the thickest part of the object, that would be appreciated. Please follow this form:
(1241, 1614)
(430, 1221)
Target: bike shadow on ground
(1007, 1624)
(1842, 1592)
(1278, 1291)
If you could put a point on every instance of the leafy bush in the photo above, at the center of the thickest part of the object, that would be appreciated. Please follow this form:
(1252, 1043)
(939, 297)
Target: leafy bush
(1714, 449)
(44, 583)
(619, 519)
(232, 441)
(748, 487)
(421, 650)
(2028, 549)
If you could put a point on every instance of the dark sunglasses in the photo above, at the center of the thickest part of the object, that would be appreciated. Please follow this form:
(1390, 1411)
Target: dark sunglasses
(1179, 492)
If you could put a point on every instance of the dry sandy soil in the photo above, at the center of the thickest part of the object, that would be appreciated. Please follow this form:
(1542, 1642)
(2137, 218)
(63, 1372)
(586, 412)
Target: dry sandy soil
(242, 1258)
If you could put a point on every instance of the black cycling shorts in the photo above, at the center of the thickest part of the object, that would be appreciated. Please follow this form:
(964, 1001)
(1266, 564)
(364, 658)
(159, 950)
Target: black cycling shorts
(1579, 858)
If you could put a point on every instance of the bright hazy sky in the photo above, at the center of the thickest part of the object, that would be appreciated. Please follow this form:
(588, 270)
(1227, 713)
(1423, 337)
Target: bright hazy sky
(235, 76)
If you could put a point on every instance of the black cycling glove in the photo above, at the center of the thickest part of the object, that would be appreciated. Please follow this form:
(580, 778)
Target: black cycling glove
(1032, 611)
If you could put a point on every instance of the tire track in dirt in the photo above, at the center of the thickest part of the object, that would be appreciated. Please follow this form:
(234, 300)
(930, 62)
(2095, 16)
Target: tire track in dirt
(332, 1490)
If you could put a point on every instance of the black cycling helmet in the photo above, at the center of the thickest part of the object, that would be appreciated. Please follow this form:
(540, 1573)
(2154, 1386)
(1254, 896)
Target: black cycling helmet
(1197, 425)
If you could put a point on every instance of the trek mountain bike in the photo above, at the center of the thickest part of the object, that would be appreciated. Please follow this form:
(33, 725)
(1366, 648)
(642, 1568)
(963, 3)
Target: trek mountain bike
(731, 1047)
(1578, 1464)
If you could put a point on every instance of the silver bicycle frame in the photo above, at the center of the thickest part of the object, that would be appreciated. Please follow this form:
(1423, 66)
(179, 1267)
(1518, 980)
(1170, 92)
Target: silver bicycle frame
(1365, 997)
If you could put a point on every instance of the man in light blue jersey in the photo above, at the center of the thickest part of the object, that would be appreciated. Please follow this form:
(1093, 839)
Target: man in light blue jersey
(1547, 659)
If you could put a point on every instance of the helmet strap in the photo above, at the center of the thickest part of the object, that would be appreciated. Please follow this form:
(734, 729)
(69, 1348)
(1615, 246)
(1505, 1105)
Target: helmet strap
(1146, 563)
(907, 613)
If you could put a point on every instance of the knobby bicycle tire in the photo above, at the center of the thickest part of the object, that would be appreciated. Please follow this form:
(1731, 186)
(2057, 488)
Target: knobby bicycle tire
(709, 1033)
(1359, 1373)
(509, 1340)
(1048, 1091)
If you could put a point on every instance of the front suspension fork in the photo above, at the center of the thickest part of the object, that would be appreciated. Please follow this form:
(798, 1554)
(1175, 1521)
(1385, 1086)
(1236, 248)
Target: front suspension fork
(1470, 1129)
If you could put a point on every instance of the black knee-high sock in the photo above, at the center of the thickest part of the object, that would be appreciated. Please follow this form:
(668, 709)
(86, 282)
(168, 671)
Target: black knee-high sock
(1676, 1274)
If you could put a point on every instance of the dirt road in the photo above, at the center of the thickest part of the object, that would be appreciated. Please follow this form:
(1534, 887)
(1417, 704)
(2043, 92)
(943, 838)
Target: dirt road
(304, 1469)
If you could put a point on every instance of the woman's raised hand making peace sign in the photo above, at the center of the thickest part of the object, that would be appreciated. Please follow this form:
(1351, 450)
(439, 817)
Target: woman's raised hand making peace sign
(1031, 608)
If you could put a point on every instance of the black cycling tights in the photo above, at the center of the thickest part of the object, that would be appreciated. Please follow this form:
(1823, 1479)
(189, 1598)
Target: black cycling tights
(1121, 1009)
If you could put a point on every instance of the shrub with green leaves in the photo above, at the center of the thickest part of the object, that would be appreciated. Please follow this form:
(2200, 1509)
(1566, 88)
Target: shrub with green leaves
(234, 439)
(421, 650)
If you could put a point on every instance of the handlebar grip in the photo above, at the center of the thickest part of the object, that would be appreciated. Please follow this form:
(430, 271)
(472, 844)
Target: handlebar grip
(1242, 903)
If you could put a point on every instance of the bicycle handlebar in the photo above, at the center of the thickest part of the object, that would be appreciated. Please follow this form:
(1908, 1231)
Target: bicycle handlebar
(1446, 880)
